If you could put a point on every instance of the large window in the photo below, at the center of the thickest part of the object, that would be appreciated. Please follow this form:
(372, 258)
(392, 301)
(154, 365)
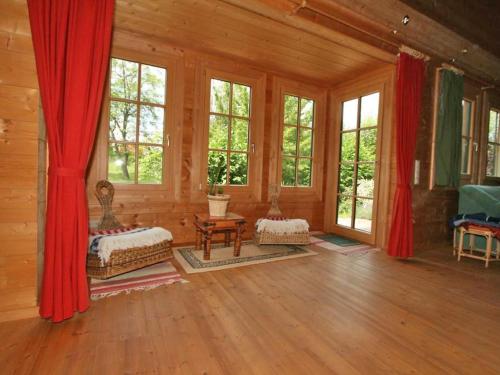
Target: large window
(137, 111)
(297, 141)
(493, 161)
(357, 162)
(467, 137)
(229, 132)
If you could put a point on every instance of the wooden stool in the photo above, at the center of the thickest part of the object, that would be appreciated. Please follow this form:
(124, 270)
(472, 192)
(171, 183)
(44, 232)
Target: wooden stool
(476, 231)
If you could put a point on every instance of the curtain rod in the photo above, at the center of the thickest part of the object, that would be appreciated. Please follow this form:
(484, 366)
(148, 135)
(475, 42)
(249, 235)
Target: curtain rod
(452, 68)
(413, 52)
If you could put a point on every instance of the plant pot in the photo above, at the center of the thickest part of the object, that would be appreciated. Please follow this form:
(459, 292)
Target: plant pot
(217, 204)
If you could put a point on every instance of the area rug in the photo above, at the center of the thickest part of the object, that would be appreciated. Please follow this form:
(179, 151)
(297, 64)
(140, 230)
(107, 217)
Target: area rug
(222, 257)
(353, 249)
(335, 239)
(144, 279)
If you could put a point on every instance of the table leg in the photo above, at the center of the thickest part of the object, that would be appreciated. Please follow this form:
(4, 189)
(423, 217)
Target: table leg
(198, 239)
(207, 245)
(227, 238)
(237, 242)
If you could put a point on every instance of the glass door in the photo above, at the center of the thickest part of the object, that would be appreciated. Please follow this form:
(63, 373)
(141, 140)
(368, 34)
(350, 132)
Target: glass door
(358, 162)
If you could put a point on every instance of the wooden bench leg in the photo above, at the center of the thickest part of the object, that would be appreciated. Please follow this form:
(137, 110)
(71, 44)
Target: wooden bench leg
(460, 242)
(489, 241)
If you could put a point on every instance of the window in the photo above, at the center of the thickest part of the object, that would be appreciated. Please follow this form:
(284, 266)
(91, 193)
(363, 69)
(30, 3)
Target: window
(297, 141)
(137, 112)
(493, 152)
(357, 162)
(467, 137)
(229, 132)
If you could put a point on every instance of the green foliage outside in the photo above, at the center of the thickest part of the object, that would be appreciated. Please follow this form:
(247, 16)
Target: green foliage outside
(122, 157)
(228, 137)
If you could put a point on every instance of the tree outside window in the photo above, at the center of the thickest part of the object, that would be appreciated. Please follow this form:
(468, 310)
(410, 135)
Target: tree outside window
(493, 152)
(136, 122)
(229, 132)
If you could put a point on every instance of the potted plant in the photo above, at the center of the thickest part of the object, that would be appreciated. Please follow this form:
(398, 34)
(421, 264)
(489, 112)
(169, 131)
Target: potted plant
(217, 200)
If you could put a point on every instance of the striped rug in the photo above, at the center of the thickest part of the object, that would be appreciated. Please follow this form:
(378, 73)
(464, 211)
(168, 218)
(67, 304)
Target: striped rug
(144, 279)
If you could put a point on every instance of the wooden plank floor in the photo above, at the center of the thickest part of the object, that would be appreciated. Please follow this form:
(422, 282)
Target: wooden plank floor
(325, 314)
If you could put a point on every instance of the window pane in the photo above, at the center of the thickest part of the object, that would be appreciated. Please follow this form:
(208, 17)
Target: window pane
(150, 164)
(466, 118)
(464, 169)
(288, 172)
(153, 81)
(122, 121)
(121, 163)
(350, 114)
(241, 100)
(348, 146)
(369, 110)
(217, 167)
(363, 219)
(238, 169)
(493, 164)
(493, 127)
(219, 96)
(344, 211)
(291, 110)
(289, 140)
(306, 112)
(305, 147)
(124, 77)
(218, 132)
(304, 172)
(367, 145)
(239, 135)
(346, 179)
(366, 180)
(151, 126)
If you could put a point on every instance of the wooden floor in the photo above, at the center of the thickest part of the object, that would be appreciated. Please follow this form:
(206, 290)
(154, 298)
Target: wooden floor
(325, 314)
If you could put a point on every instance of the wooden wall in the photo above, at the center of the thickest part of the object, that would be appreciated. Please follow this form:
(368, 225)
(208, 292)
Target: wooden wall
(18, 164)
(143, 206)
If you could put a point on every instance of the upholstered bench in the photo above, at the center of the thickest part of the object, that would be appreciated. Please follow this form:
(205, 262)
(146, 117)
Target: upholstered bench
(274, 231)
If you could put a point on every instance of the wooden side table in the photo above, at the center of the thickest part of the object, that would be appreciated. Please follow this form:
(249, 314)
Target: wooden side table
(207, 225)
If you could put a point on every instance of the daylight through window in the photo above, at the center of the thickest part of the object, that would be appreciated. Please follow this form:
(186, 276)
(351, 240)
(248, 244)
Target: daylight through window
(229, 132)
(137, 110)
(493, 163)
(297, 141)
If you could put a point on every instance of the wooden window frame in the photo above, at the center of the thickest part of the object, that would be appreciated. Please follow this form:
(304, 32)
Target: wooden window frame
(282, 87)
(257, 81)
(172, 140)
(488, 142)
(471, 139)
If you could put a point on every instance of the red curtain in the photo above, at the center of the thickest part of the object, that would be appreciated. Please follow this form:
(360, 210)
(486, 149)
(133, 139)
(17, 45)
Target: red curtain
(410, 79)
(71, 39)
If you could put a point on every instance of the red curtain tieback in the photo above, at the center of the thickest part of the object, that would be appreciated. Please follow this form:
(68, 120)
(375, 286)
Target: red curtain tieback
(66, 172)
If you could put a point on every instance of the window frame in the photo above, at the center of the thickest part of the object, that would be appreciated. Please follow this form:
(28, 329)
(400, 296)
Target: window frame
(172, 128)
(234, 74)
(282, 87)
(470, 137)
(139, 104)
(491, 108)
(356, 162)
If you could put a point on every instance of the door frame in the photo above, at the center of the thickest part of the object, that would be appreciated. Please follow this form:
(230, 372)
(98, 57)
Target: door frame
(381, 80)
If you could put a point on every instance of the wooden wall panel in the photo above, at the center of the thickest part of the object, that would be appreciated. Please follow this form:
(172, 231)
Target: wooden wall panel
(153, 207)
(18, 164)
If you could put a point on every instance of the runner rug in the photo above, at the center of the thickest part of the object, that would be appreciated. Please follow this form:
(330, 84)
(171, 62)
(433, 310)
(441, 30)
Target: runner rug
(222, 257)
(143, 279)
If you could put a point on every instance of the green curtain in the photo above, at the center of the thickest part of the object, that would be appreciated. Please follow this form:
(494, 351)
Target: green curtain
(449, 129)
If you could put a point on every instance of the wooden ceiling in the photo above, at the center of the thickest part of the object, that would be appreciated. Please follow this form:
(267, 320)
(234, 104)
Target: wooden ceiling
(276, 44)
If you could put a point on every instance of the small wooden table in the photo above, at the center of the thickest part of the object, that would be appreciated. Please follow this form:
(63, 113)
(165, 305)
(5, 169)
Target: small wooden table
(207, 225)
